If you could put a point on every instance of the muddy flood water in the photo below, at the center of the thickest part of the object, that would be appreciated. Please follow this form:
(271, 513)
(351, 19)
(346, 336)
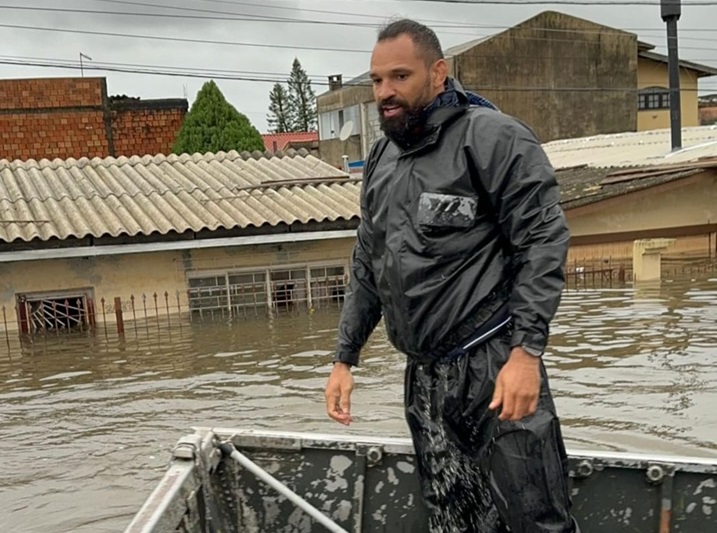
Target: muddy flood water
(87, 423)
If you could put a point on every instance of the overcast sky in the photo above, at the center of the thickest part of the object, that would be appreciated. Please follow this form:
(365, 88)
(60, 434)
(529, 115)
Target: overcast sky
(346, 46)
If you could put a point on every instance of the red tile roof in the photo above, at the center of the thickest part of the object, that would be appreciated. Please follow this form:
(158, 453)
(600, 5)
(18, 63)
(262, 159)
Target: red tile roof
(278, 141)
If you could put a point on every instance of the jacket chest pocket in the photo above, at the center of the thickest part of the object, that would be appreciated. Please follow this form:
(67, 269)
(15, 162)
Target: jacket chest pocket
(439, 212)
(443, 220)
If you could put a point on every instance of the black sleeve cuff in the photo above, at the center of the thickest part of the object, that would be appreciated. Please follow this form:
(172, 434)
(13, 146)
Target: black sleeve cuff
(533, 344)
(346, 357)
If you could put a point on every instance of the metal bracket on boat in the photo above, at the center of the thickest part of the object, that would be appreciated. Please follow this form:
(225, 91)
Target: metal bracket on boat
(374, 455)
(655, 474)
(187, 447)
(584, 469)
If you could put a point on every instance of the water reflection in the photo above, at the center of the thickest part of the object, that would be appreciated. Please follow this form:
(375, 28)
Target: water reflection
(87, 421)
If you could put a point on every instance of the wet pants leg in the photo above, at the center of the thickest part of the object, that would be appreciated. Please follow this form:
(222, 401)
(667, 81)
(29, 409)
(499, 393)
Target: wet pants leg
(479, 474)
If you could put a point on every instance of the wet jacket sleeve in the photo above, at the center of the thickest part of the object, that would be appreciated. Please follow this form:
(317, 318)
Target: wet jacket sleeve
(362, 307)
(517, 176)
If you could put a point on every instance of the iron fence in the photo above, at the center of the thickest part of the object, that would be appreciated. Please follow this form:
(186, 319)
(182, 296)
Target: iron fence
(162, 310)
(147, 312)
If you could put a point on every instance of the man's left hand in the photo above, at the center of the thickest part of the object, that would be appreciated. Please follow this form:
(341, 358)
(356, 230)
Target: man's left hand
(517, 387)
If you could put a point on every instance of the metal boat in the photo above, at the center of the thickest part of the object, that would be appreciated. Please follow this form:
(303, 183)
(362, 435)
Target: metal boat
(250, 481)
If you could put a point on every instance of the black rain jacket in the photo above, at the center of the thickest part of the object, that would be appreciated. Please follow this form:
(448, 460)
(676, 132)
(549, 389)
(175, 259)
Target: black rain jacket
(463, 224)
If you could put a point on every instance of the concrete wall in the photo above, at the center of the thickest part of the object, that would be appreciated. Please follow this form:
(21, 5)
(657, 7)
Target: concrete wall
(74, 117)
(652, 73)
(147, 273)
(332, 150)
(347, 96)
(570, 63)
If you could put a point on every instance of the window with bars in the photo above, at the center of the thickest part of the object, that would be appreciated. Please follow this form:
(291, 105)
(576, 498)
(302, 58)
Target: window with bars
(57, 310)
(653, 98)
(272, 289)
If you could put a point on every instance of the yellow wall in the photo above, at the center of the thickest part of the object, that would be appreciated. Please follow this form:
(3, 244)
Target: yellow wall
(273, 255)
(700, 246)
(655, 74)
(690, 203)
(148, 273)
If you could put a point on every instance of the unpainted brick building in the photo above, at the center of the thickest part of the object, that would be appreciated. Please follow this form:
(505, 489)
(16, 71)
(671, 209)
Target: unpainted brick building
(708, 110)
(47, 118)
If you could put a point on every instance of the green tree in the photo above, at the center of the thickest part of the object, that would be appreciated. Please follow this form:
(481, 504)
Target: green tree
(302, 99)
(279, 118)
(214, 125)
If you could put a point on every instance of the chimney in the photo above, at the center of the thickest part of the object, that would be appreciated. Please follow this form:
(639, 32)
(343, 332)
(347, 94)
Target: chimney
(335, 82)
(670, 11)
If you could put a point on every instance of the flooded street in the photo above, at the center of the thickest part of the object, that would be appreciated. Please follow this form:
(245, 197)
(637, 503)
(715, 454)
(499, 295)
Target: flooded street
(87, 422)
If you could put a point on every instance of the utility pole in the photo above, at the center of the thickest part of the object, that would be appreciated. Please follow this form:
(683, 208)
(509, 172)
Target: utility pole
(671, 11)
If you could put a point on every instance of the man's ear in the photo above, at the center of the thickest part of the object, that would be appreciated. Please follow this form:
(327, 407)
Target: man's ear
(439, 73)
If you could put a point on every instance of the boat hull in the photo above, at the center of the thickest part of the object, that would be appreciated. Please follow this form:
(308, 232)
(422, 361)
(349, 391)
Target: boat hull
(365, 484)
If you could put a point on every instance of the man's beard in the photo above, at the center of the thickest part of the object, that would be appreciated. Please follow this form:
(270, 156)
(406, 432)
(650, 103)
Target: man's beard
(405, 128)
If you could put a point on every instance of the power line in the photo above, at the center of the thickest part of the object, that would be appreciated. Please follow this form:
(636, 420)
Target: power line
(268, 77)
(260, 18)
(566, 2)
(183, 39)
(221, 16)
(434, 23)
(239, 18)
(139, 67)
(234, 43)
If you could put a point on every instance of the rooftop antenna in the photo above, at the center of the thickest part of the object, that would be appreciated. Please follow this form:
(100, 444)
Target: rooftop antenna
(670, 10)
(82, 69)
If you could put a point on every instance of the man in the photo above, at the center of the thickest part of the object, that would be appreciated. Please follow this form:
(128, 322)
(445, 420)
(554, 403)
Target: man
(461, 248)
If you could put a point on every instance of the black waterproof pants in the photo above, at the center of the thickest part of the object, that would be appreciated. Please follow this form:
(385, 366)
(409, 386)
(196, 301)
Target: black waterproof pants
(479, 474)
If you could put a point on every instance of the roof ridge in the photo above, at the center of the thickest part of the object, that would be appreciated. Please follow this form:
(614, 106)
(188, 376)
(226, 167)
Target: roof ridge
(157, 159)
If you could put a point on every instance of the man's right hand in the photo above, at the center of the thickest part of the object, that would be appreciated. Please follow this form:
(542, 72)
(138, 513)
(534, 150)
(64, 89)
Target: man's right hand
(338, 393)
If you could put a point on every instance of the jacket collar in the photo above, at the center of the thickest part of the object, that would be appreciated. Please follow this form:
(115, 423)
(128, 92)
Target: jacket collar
(453, 101)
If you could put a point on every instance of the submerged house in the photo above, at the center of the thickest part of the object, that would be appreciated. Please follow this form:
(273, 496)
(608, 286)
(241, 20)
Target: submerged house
(620, 188)
(248, 234)
(225, 232)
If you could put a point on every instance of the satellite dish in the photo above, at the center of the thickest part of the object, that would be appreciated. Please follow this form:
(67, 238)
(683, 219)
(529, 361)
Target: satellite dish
(346, 130)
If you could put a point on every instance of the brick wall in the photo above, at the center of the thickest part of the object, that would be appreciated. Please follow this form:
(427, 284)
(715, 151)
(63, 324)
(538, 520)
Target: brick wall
(146, 127)
(708, 115)
(53, 135)
(73, 117)
(44, 93)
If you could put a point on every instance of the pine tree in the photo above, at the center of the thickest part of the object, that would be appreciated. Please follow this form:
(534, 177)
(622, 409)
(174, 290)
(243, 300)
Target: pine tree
(302, 99)
(214, 125)
(279, 118)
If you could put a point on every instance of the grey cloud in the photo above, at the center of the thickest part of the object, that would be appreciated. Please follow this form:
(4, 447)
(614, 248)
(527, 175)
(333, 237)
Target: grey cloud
(252, 97)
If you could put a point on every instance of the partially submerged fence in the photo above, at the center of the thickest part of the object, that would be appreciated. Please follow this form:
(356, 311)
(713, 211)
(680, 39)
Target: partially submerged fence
(146, 313)
(608, 273)
(162, 310)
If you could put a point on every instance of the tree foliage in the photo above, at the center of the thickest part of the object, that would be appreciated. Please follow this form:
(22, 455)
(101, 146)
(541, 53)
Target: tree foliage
(280, 118)
(214, 125)
(302, 99)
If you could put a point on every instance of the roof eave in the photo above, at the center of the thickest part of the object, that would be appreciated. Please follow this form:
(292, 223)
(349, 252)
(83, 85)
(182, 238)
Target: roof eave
(703, 71)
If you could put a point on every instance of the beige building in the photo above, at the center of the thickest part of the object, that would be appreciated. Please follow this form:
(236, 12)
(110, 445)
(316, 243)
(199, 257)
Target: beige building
(620, 188)
(654, 93)
(226, 234)
(565, 76)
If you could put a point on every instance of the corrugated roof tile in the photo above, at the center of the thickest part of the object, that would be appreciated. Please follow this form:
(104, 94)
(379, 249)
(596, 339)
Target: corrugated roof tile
(633, 148)
(161, 194)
